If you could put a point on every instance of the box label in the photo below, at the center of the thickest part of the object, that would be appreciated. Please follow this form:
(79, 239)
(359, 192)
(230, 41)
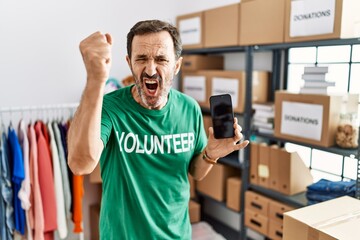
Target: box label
(190, 31)
(312, 17)
(195, 86)
(226, 85)
(263, 171)
(302, 120)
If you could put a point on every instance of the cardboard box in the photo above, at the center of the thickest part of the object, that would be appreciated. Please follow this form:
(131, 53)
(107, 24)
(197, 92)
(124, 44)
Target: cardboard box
(262, 22)
(191, 30)
(222, 26)
(194, 211)
(277, 210)
(192, 186)
(307, 118)
(260, 85)
(233, 191)
(254, 162)
(274, 167)
(202, 84)
(95, 176)
(334, 219)
(94, 221)
(256, 222)
(202, 62)
(196, 85)
(214, 184)
(257, 203)
(308, 20)
(294, 175)
(234, 83)
(275, 230)
(264, 165)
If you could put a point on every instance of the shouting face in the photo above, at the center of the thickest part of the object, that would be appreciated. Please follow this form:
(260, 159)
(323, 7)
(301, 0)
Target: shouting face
(153, 65)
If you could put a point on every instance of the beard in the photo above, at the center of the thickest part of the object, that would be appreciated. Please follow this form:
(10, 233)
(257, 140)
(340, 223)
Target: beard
(162, 91)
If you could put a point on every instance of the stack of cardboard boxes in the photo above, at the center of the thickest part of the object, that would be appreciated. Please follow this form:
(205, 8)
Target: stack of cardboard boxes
(255, 22)
(277, 169)
(215, 183)
(265, 215)
(203, 76)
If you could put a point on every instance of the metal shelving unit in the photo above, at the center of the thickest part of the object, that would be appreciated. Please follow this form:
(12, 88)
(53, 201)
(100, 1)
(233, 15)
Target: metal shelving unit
(233, 159)
(334, 149)
(279, 51)
(296, 200)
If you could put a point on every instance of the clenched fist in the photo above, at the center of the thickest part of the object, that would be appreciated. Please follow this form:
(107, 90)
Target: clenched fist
(96, 53)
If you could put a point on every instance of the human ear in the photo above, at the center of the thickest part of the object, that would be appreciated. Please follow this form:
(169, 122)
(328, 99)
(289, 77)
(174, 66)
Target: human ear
(178, 65)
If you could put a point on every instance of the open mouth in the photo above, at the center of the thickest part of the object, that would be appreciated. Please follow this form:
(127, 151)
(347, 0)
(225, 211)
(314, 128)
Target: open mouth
(151, 85)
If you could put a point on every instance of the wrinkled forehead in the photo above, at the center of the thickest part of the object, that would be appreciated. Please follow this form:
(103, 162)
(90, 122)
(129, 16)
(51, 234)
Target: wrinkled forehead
(159, 43)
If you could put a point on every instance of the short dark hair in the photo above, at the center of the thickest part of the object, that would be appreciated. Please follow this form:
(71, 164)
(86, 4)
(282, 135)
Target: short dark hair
(154, 26)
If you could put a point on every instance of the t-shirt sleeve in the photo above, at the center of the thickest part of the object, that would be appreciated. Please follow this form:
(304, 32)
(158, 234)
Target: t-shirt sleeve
(201, 134)
(106, 126)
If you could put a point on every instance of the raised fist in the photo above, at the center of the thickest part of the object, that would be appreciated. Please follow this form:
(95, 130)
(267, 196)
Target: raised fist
(96, 53)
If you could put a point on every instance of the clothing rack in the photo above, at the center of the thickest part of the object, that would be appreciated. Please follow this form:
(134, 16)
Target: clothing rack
(40, 107)
(44, 110)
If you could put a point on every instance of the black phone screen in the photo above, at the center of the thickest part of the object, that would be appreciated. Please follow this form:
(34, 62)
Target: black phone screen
(222, 116)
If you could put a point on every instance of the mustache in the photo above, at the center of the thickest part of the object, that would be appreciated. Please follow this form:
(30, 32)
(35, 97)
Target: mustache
(155, 76)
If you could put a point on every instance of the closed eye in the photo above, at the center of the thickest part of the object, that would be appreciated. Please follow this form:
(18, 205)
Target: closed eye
(141, 58)
(161, 59)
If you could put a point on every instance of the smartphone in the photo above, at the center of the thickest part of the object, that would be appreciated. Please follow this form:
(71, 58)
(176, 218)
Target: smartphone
(222, 116)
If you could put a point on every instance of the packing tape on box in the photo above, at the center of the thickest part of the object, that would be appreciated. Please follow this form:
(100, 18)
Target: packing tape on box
(313, 233)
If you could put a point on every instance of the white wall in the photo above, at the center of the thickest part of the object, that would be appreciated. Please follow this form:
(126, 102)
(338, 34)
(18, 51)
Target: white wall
(39, 58)
(40, 62)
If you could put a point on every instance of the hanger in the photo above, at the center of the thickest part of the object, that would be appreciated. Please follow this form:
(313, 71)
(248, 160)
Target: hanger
(10, 112)
(2, 129)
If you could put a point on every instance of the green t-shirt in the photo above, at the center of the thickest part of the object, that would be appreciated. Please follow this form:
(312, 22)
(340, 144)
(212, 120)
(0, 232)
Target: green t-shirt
(144, 166)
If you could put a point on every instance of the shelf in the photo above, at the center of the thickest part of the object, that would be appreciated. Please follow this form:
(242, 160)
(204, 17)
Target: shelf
(203, 195)
(223, 204)
(312, 43)
(227, 232)
(270, 47)
(334, 149)
(232, 160)
(206, 111)
(221, 228)
(296, 200)
(231, 49)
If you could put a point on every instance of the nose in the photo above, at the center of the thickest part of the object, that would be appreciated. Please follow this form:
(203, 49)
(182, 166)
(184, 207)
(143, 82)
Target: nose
(150, 68)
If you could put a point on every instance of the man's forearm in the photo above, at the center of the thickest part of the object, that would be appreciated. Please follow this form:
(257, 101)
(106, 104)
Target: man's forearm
(199, 168)
(84, 142)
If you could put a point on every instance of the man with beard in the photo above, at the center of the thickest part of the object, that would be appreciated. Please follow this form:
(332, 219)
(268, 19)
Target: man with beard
(147, 136)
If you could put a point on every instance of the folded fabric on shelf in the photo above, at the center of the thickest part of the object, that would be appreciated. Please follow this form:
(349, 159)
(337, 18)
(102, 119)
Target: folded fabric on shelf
(324, 190)
(327, 186)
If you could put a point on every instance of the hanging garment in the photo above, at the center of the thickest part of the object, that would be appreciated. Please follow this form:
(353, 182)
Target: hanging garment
(78, 193)
(36, 213)
(63, 131)
(46, 180)
(24, 193)
(64, 170)
(6, 188)
(58, 184)
(2, 202)
(17, 178)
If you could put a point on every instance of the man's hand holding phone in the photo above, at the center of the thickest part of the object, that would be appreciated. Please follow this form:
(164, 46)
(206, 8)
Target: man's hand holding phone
(225, 136)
